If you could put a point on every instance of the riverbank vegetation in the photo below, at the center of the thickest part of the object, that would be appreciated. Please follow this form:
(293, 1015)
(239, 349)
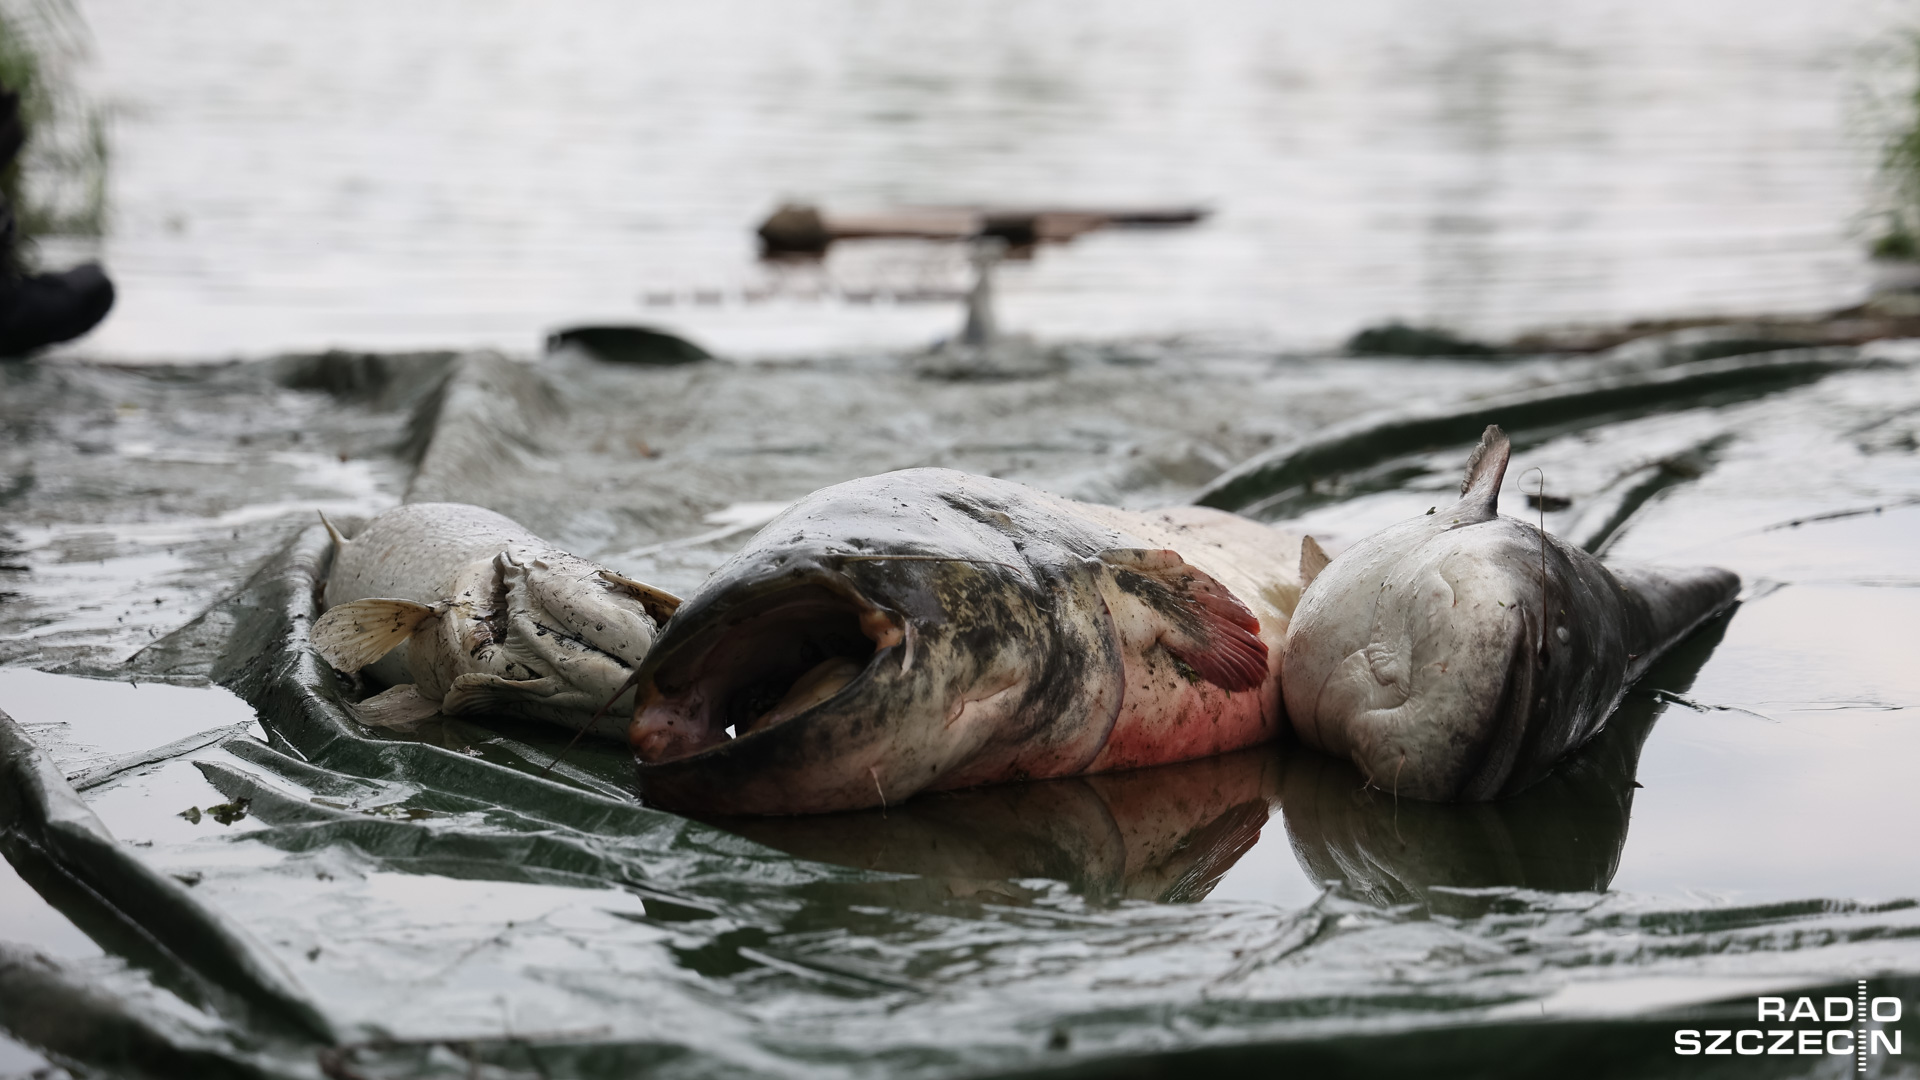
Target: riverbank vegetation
(58, 184)
(1898, 233)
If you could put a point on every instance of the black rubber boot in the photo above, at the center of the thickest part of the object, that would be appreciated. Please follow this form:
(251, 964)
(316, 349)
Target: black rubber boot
(42, 309)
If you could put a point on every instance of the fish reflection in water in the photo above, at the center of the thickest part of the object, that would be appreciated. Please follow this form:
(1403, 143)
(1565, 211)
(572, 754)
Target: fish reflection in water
(1166, 833)
(1171, 833)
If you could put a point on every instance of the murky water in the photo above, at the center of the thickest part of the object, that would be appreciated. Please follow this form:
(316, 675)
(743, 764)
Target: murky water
(425, 175)
(1743, 825)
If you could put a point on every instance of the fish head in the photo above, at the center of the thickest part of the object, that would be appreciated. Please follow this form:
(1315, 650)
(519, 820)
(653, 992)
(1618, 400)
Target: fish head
(560, 617)
(1460, 655)
(1414, 652)
(851, 654)
(1406, 652)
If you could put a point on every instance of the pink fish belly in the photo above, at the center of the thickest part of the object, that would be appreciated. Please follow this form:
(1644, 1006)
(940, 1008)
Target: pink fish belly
(1169, 716)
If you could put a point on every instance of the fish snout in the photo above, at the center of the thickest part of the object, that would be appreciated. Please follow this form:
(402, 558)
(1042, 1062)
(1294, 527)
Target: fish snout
(584, 604)
(669, 732)
(758, 659)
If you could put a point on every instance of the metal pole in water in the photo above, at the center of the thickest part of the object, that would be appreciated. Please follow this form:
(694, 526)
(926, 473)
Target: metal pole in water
(980, 328)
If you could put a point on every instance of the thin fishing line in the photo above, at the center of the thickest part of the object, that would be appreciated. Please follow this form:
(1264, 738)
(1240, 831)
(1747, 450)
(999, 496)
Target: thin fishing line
(632, 680)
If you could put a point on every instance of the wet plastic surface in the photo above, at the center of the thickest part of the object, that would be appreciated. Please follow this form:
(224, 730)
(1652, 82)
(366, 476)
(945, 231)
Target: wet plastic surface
(409, 906)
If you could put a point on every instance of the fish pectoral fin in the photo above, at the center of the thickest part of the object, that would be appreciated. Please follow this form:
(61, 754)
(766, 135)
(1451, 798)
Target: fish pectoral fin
(659, 603)
(395, 708)
(352, 635)
(1313, 559)
(1206, 626)
(984, 702)
(477, 691)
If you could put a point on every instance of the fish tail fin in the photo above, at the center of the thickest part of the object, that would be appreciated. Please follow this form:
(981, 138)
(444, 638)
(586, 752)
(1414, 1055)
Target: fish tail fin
(1486, 470)
(353, 635)
(1668, 604)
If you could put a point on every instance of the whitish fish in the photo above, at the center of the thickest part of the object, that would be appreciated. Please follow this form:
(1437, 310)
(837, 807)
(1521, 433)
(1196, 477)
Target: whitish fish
(464, 611)
(1459, 655)
(932, 629)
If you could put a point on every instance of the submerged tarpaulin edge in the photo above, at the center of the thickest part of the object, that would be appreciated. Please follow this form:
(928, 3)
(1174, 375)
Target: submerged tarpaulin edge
(1373, 439)
(38, 806)
(270, 665)
(62, 1013)
(1261, 1055)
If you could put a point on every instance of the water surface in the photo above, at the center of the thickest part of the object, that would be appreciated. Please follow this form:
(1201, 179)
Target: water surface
(426, 175)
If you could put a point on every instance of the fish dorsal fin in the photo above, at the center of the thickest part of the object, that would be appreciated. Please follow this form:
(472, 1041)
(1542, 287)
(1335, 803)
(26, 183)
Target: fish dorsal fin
(1486, 469)
(1207, 627)
(660, 603)
(339, 542)
(350, 636)
(1313, 559)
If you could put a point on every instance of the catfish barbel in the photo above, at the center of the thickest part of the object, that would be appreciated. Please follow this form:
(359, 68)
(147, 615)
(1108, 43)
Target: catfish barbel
(932, 629)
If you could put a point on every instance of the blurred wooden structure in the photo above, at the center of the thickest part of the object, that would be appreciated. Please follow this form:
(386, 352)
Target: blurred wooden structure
(799, 229)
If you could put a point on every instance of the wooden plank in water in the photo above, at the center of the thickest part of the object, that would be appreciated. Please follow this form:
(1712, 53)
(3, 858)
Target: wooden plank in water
(802, 228)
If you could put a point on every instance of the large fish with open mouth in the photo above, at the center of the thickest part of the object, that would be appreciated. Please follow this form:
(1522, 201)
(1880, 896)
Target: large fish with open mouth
(931, 629)
(1459, 655)
(462, 611)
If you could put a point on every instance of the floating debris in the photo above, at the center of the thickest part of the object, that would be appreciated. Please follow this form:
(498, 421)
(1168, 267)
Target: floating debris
(1399, 339)
(629, 344)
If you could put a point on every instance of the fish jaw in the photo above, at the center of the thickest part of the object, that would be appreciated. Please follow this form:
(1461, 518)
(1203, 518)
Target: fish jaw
(532, 634)
(568, 623)
(575, 597)
(803, 686)
(731, 655)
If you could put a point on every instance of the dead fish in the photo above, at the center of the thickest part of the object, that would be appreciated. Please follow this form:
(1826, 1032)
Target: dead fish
(930, 629)
(1459, 655)
(464, 611)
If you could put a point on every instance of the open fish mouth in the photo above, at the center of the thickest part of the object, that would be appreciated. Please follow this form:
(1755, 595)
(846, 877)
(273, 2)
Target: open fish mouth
(757, 663)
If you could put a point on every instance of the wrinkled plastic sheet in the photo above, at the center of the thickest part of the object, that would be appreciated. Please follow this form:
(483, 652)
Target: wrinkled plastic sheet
(433, 906)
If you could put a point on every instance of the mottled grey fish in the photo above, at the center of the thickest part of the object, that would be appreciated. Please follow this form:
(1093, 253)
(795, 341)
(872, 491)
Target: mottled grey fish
(930, 629)
(464, 611)
(1459, 655)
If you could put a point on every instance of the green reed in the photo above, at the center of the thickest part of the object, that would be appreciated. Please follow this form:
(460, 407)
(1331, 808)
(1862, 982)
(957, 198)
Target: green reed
(58, 184)
(1898, 236)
